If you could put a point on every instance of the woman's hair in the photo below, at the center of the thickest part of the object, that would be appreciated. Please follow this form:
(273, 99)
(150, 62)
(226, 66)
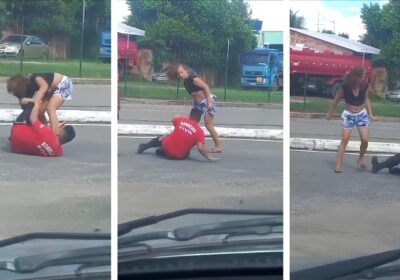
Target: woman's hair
(17, 85)
(172, 71)
(353, 77)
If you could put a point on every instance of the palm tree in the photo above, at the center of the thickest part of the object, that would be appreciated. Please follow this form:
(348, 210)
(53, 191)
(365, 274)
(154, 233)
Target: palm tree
(296, 21)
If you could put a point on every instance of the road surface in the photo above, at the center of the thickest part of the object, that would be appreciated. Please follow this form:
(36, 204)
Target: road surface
(339, 216)
(248, 175)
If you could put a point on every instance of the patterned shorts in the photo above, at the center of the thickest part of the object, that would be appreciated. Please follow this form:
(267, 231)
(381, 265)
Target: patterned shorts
(202, 106)
(360, 119)
(64, 88)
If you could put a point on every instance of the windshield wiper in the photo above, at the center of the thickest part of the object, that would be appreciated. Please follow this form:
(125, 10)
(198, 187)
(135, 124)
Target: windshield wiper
(354, 268)
(124, 228)
(87, 257)
(259, 226)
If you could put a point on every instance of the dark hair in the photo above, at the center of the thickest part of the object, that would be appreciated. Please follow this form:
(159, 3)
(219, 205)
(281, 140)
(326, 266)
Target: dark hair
(195, 114)
(67, 135)
(17, 85)
(352, 78)
(172, 71)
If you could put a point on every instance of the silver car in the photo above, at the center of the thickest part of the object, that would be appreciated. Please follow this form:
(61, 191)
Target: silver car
(32, 47)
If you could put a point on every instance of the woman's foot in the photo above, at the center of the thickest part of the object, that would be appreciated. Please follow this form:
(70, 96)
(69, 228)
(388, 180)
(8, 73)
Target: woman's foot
(215, 150)
(338, 170)
(361, 164)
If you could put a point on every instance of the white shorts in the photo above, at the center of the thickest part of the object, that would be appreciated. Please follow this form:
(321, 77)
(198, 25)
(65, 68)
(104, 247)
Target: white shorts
(64, 88)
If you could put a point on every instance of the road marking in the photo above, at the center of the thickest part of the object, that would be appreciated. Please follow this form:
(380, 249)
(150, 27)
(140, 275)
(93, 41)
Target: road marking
(223, 132)
(74, 124)
(209, 138)
(347, 153)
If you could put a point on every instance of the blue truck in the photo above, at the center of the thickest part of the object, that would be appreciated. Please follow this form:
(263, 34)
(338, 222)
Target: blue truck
(262, 68)
(105, 48)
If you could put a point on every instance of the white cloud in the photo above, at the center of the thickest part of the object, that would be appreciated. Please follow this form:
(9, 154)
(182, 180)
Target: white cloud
(351, 25)
(272, 13)
(120, 10)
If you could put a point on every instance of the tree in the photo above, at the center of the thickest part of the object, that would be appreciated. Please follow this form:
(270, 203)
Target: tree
(344, 35)
(196, 32)
(383, 32)
(57, 19)
(296, 21)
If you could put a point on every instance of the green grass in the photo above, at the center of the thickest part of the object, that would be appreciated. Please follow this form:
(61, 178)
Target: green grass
(380, 107)
(90, 69)
(168, 91)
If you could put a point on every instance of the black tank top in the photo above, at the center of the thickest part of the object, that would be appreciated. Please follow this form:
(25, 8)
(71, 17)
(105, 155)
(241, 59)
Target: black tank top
(33, 86)
(189, 84)
(351, 99)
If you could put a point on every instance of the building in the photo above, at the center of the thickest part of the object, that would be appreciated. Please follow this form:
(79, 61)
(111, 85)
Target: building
(272, 40)
(322, 42)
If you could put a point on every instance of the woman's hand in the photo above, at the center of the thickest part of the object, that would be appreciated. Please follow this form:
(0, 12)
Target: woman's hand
(26, 100)
(374, 118)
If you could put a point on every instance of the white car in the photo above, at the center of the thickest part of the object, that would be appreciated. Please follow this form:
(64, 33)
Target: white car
(394, 95)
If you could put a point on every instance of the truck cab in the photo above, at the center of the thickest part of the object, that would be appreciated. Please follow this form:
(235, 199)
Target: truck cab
(262, 68)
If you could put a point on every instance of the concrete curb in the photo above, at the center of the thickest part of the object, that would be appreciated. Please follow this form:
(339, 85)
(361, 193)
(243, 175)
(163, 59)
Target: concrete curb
(189, 102)
(77, 81)
(77, 116)
(224, 132)
(332, 145)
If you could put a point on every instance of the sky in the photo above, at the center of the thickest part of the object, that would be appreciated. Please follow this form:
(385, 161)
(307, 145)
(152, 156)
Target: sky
(337, 15)
(260, 8)
(341, 16)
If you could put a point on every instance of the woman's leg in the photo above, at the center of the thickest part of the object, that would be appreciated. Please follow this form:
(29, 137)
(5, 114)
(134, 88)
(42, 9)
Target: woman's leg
(56, 102)
(346, 133)
(209, 122)
(363, 131)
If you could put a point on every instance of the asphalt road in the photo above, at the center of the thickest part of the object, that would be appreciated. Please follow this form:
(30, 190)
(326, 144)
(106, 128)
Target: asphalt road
(67, 194)
(388, 132)
(271, 118)
(339, 216)
(248, 175)
(84, 97)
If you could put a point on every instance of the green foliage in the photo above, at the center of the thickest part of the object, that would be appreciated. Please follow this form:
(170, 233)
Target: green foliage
(383, 31)
(60, 19)
(344, 35)
(296, 21)
(326, 31)
(196, 32)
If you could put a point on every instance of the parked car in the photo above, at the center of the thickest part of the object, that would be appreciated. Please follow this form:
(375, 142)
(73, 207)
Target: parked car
(159, 77)
(32, 47)
(394, 95)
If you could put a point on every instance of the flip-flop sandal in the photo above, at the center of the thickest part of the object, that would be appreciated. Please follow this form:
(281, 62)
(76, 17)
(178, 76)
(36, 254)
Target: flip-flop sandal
(215, 151)
(338, 170)
(362, 166)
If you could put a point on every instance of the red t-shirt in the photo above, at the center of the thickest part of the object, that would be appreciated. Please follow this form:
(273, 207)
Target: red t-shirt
(37, 139)
(186, 134)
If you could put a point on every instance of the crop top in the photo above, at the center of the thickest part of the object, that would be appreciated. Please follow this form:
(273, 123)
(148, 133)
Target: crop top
(189, 84)
(33, 86)
(351, 99)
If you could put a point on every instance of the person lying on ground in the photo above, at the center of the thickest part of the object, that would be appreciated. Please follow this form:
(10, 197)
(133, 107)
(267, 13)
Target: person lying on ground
(31, 137)
(176, 145)
(390, 163)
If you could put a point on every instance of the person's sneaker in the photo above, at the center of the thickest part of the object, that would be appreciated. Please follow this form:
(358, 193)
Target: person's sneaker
(375, 163)
(394, 170)
(141, 148)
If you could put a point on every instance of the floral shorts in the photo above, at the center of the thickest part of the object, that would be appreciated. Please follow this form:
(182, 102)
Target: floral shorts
(360, 119)
(64, 88)
(202, 106)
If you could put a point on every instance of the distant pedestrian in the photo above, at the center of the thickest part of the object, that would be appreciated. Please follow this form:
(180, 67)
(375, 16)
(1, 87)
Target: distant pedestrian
(355, 92)
(47, 91)
(204, 100)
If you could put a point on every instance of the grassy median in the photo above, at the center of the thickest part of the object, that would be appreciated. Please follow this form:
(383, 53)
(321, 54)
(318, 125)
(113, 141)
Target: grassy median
(168, 91)
(90, 69)
(380, 107)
